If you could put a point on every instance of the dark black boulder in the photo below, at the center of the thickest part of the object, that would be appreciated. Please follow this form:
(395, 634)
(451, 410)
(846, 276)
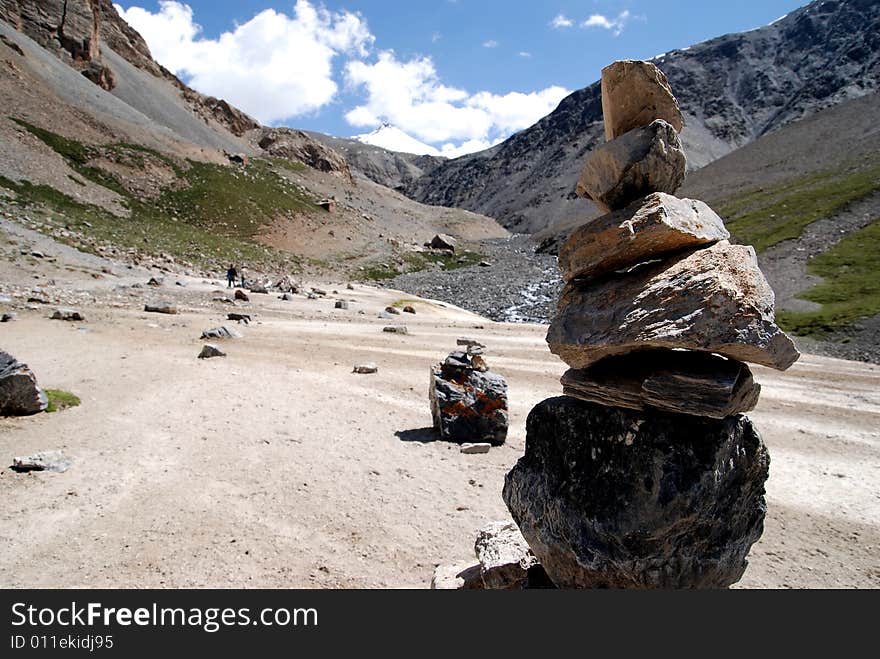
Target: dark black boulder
(614, 498)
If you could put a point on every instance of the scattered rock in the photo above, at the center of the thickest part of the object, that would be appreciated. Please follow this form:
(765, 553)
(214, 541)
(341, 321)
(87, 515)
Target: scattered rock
(287, 297)
(53, 461)
(504, 555)
(657, 225)
(70, 315)
(241, 296)
(468, 405)
(155, 282)
(469, 343)
(259, 289)
(221, 333)
(613, 498)
(366, 369)
(349, 286)
(635, 93)
(239, 317)
(19, 393)
(457, 577)
(699, 384)
(393, 311)
(210, 351)
(409, 309)
(645, 160)
(167, 309)
(8, 317)
(475, 449)
(396, 329)
(341, 304)
(443, 241)
(319, 291)
(665, 306)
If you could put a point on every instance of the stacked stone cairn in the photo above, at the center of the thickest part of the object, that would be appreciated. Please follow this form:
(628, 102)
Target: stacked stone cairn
(468, 401)
(646, 473)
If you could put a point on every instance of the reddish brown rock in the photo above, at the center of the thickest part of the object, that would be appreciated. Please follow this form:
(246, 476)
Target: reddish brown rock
(657, 225)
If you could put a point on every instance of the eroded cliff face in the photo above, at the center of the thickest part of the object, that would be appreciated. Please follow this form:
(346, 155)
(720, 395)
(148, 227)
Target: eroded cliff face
(76, 31)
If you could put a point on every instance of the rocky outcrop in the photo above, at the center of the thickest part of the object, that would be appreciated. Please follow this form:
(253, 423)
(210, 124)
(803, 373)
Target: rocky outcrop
(504, 556)
(297, 146)
(612, 498)
(468, 405)
(657, 225)
(19, 393)
(711, 300)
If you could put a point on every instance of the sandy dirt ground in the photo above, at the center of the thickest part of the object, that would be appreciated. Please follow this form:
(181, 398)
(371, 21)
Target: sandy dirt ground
(278, 467)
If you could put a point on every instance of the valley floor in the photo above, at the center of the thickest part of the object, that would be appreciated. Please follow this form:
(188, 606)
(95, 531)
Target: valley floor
(278, 467)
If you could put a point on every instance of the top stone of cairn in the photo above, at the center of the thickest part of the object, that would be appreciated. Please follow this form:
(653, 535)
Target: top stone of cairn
(635, 93)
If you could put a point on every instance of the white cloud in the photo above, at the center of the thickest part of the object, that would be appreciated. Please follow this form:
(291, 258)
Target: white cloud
(525, 54)
(490, 44)
(273, 67)
(616, 25)
(561, 21)
(410, 95)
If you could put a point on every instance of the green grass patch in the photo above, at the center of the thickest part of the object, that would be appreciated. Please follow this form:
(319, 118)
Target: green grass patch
(400, 304)
(418, 261)
(61, 400)
(851, 286)
(766, 216)
(213, 217)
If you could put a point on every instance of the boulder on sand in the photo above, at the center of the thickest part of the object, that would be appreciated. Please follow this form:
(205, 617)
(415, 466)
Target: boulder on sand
(54, 461)
(221, 333)
(635, 93)
(657, 225)
(167, 309)
(210, 351)
(70, 315)
(613, 498)
(468, 405)
(645, 160)
(444, 241)
(710, 300)
(19, 393)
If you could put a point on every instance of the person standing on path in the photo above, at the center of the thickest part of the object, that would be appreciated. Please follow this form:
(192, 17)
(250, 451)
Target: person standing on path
(231, 276)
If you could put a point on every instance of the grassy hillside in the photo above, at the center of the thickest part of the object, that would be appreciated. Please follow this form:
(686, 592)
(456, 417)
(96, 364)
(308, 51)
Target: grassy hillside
(209, 214)
(851, 286)
(767, 215)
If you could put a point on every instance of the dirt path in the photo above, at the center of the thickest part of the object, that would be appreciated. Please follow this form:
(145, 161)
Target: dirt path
(278, 467)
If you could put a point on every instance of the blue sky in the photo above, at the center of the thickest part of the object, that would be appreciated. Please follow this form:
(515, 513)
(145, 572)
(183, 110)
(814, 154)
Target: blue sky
(456, 73)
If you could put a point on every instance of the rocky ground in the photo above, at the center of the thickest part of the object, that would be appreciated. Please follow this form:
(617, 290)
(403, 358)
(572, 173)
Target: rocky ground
(522, 286)
(518, 285)
(278, 467)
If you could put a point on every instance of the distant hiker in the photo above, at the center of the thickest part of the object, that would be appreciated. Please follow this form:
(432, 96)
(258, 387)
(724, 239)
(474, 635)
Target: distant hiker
(242, 276)
(231, 276)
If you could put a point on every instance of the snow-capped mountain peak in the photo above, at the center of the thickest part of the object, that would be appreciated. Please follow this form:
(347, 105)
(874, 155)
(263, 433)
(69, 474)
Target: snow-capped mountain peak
(392, 138)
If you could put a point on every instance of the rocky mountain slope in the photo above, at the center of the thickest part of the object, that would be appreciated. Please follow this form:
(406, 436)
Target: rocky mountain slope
(732, 90)
(101, 142)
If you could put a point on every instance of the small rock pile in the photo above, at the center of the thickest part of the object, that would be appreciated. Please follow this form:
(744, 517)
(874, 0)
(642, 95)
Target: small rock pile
(646, 474)
(468, 402)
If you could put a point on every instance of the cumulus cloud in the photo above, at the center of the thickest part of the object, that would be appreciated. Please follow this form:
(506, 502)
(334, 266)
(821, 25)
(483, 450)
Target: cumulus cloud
(410, 95)
(616, 25)
(561, 21)
(273, 67)
(491, 43)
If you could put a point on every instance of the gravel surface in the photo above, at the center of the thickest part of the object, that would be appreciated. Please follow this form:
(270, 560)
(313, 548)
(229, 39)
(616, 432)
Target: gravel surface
(519, 286)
